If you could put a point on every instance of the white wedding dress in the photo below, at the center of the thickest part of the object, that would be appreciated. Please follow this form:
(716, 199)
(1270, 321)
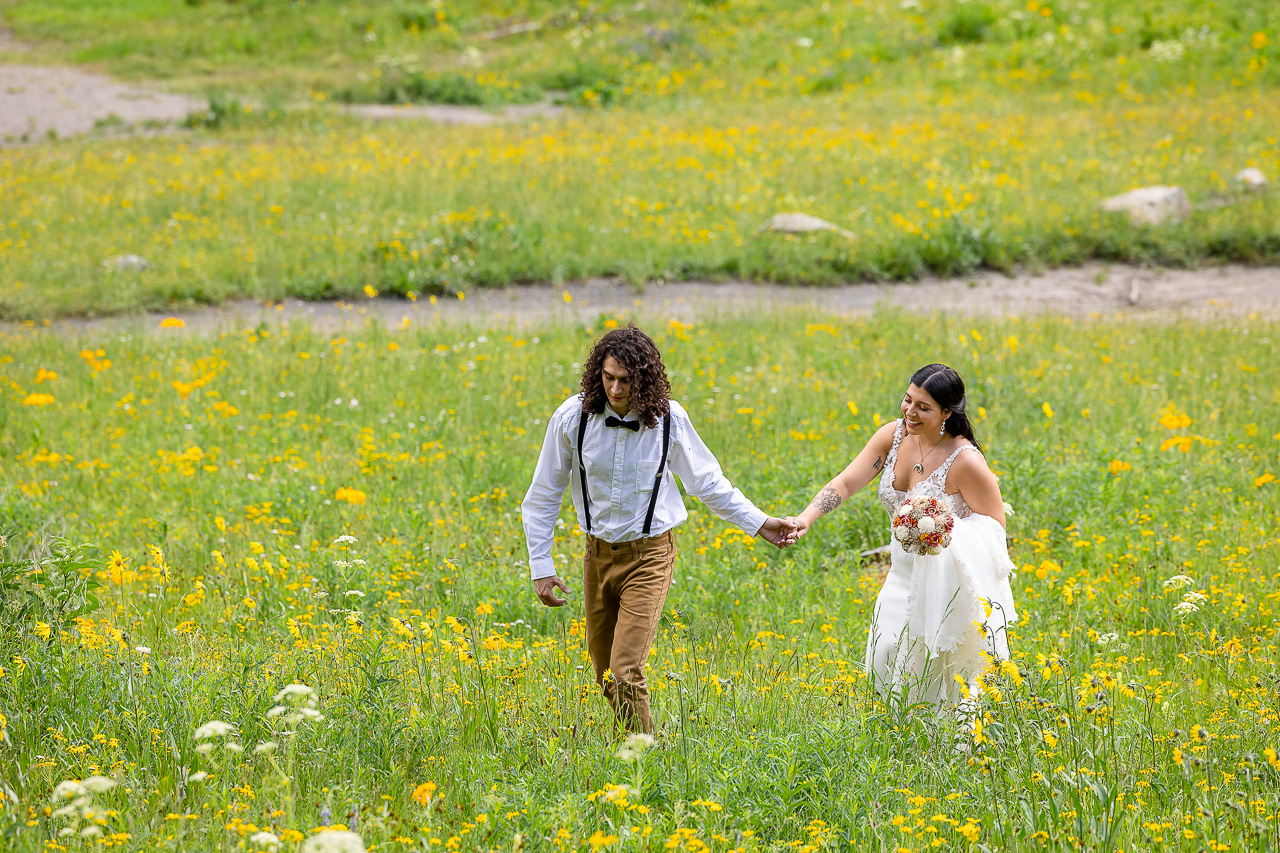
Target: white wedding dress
(930, 623)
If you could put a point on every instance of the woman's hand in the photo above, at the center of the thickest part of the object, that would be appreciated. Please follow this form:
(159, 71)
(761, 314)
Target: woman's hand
(800, 524)
(778, 531)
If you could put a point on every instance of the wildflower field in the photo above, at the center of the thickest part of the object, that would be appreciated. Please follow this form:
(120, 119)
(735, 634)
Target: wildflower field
(306, 603)
(946, 135)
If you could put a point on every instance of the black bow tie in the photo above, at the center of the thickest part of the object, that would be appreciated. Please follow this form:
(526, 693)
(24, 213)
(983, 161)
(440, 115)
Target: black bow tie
(611, 421)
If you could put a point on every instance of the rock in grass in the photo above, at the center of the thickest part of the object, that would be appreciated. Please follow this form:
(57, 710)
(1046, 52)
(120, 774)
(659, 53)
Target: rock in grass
(803, 223)
(1252, 179)
(1151, 205)
(127, 263)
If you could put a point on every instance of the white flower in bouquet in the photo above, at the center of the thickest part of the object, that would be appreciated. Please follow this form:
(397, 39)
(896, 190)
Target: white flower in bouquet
(923, 525)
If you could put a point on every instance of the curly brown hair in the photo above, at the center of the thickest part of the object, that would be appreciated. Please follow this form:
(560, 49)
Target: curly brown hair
(636, 351)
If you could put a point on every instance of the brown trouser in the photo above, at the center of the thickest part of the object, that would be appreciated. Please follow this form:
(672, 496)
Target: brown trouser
(623, 589)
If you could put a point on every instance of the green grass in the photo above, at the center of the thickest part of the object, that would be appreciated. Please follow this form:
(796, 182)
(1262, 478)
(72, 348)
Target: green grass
(236, 457)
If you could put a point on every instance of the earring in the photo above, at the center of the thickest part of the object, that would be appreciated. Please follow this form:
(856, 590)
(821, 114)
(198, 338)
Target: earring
(942, 430)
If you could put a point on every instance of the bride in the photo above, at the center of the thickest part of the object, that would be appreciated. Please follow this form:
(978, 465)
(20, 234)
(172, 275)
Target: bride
(938, 618)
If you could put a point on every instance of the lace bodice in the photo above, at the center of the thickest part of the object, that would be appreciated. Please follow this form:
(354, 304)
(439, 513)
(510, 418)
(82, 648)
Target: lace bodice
(935, 485)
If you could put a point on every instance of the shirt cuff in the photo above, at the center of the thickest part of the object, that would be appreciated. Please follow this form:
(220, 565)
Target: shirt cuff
(751, 520)
(545, 567)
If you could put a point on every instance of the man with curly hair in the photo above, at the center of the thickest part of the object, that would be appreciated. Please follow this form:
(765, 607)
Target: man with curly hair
(615, 446)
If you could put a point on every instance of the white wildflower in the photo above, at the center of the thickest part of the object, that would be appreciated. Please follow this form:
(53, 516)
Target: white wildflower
(291, 690)
(198, 776)
(1167, 51)
(640, 740)
(1108, 638)
(345, 539)
(1008, 509)
(1178, 582)
(635, 746)
(354, 593)
(98, 784)
(142, 650)
(68, 789)
(338, 841)
(214, 728)
(265, 747)
(1195, 598)
(1184, 608)
(264, 840)
(204, 748)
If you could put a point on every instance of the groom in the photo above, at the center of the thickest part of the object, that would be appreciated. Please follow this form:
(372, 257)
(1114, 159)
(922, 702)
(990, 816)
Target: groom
(615, 446)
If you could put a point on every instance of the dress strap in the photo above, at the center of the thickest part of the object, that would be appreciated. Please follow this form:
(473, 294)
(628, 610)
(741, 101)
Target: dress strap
(897, 439)
(942, 469)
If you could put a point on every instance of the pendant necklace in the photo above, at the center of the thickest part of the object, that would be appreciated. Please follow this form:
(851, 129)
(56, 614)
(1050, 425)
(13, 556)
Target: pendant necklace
(919, 466)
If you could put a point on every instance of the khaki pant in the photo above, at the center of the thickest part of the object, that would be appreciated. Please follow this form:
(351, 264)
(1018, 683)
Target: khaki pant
(624, 587)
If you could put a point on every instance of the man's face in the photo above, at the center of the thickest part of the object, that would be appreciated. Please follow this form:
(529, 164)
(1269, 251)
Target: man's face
(617, 385)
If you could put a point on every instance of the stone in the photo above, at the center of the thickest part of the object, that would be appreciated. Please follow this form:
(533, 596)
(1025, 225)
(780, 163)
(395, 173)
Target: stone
(803, 223)
(1252, 179)
(1151, 205)
(128, 263)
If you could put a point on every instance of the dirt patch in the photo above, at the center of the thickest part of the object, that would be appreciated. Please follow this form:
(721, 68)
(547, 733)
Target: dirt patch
(449, 114)
(35, 100)
(1093, 290)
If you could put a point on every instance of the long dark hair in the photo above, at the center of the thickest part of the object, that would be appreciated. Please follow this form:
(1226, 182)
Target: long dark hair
(946, 387)
(636, 351)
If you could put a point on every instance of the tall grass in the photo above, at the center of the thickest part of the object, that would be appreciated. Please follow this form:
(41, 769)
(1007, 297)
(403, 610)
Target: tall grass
(216, 476)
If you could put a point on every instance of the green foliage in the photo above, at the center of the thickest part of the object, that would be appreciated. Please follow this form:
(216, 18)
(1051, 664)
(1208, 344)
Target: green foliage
(968, 23)
(223, 112)
(54, 585)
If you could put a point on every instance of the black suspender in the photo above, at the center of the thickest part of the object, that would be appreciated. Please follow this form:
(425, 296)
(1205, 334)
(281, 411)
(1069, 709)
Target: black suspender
(582, 470)
(657, 480)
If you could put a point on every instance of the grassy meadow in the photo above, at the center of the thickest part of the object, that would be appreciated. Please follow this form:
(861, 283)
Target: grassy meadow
(948, 136)
(271, 507)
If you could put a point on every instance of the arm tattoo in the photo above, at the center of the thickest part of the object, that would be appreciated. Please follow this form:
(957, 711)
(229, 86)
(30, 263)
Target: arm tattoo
(875, 466)
(826, 500)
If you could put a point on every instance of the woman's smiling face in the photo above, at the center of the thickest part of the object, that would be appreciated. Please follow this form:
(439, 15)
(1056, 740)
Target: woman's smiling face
(921, 413)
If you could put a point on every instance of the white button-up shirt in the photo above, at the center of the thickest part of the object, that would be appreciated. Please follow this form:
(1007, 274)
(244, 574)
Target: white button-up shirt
(621, 468)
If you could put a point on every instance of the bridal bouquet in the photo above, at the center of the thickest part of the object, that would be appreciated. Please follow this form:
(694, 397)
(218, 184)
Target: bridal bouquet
(923, 526)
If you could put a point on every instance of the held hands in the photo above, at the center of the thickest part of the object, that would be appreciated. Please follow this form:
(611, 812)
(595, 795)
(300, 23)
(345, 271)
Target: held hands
(800, 524)
(779, 531)
(545, 588)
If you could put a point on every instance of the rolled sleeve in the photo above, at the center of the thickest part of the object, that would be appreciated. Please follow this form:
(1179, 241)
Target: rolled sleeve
(693, 462)
(541, 505)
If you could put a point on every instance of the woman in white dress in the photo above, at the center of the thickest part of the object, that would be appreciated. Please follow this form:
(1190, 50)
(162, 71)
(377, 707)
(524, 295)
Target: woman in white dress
(938, 619)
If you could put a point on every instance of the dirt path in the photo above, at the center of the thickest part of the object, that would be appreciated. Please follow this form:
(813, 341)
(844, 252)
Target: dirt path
(451, 114)
(35, 100)
(1092, 290)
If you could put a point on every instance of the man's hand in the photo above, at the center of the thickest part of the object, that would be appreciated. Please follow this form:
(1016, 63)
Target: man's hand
(778, 531)
(801, 527)
(546, 590)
